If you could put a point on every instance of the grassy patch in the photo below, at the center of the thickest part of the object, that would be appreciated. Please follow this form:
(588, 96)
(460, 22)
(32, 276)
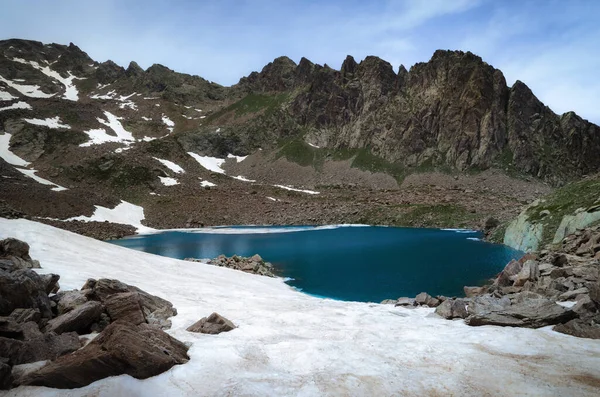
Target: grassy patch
(252, 103)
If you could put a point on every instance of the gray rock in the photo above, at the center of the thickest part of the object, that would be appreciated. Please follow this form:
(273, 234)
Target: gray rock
(572, 294)
(582, 328)
(471, 292)
(388, 302)
(69, 300)
(426, 300)
(26, 315)
(125, 306)
(79, 319)
(47, 346)
(50, 282)
(22, 288)
(405, 302)
(452, 308)
(213, 324)
(529, 272)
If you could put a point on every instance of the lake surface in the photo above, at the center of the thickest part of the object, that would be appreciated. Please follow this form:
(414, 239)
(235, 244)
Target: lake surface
(354, 263)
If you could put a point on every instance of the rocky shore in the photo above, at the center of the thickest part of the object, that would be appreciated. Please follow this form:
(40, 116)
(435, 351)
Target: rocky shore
(252, 264)
(559, 286)
(69, 339)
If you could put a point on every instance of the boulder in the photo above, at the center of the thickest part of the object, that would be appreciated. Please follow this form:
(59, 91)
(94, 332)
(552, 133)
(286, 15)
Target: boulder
(50, 283)
(22, 288)
(140, 351)
(529, 272)
(5, 374)
(470, 292)
(452, 308)
(125, 306)
(572, 294)
(388, 302)
(405, 302)
(26, 315)
(17, 252)
(582, 328)
(521, 312)
(69, 300)
(213, 324)
(505, 278)
(425, 299)
(78, 319)
(46, 346)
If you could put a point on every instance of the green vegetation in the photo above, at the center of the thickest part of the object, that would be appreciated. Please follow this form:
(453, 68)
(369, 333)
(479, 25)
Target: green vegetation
(252, 103)
(564, 201)
(435, 215)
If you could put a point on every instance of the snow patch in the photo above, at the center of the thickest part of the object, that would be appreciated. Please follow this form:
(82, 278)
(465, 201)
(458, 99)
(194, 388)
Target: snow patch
(171, 165)
(313, 145)
(168, 122)
(272, 198)
(31, 174)
(567, 304)
(168, 181)
(71, 92)
(146, 118)
(99, 136)
(243, 179)
(32, 91)
(293, 189)
(53, 122)
(207, 183)
(124, 213)
(7, 155)
(210, 163)
(17, 105)
(5, 96)
(239, 159)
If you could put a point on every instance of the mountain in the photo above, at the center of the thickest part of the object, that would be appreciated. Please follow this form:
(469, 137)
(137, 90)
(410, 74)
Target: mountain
(163, 139)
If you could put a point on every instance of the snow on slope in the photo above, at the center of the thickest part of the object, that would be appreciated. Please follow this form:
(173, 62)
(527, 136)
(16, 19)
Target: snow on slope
(296, 190)
(239, 159)
(53, 122)
(243, 178)
(171, 165)
(31, 174)
(168, 122)
(5, 96)
(32, 91)
(210, 163)
(125, 213)
(99, 136)
(288, 343)
(17, 105)
(168, 181)
(7, 155)
(71, 92)
(207, 183)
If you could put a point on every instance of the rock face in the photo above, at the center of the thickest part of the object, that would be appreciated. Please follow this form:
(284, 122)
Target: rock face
(253, 264)
(213, 324)
(78, 320)
(140, 351)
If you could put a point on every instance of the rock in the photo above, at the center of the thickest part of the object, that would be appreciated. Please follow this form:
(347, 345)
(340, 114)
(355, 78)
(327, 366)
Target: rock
(427, 300)
(47, 346)
(22, 288)
(50, 282)
(26, 315)
(18, 252)
(78, 319)
(474, 291)
(140, 351)
(505, 278)
(582, 328)
(405, 302)
(572, 294)
(529, 272)
(452, 308)
(5, 374)
(254, 264)
(125, 306)
(584, 305)
(388, 302)
(213, 324)
(526, 312)
(69, 300)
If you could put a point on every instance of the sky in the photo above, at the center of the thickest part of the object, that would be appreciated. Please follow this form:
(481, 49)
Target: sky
(551, 45)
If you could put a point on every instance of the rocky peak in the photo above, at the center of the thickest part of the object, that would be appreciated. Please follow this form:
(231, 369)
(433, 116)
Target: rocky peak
(108, 72)
(348, 69)
(134, 70)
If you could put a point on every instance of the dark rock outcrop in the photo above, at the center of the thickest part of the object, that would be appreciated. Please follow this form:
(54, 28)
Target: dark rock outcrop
(140, 351)
(213, 324)
(34, 346)
(253, 264)
(79, 319)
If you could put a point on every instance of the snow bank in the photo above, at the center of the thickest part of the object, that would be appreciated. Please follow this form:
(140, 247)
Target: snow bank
(53, 122)
(31, 174)
(5, 96)
(32, 91)
(17, 105)
(207, 183)
(171, 165)
(7, 155)
(210, 163)
(168, 181)
(239, 159)
(99, 136)
(288, 343)
(125, 213)
(243, 178)
(168, 122)
(313, 145)
(293, 189)
(71, 92)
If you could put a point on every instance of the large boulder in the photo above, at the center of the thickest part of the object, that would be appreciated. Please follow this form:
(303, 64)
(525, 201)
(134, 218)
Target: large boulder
(452, 308)
(17, 252)
(424, 299)
(526, 312)
(125, 306)
(23, 288)
(5, 374)
(140, 351)
(69, 300)
(38, 347)
(79, 319)
(213, 324)
(156, 310)
(581, 327)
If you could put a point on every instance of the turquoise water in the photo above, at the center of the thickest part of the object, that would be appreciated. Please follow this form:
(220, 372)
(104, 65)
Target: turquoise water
(366, 264)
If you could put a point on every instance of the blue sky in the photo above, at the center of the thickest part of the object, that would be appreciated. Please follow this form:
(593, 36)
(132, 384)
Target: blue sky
(551, 45)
